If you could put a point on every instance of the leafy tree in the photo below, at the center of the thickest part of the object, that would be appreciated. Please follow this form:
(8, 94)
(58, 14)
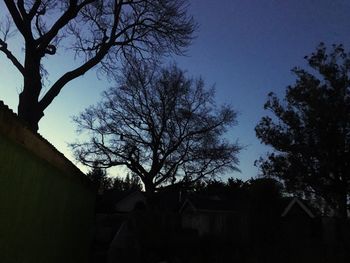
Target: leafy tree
(99, 32)
(103, 182)
(129, 183)
(161, 125)
(234, 183)
(256, 190)
(265, 195)
(310, 130)
(99, 178)
(212, 187)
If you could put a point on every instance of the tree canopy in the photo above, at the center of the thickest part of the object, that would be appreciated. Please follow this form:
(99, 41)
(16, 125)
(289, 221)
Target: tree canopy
(102, 182)
(161, 125)
(310, 130)
(98, 32)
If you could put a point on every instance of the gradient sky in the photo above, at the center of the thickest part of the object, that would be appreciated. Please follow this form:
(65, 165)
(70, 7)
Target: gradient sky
(246, 48)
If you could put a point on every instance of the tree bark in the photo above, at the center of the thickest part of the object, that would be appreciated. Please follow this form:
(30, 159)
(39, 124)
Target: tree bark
(149, 187)
(29, 109)
(149, 192)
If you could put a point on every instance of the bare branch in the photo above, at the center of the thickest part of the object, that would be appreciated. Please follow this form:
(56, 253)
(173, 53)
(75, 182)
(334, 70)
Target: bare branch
(162, 124)
(62, 81)
(34, 10)
(103, 33)
(16, 16)
(11, 57)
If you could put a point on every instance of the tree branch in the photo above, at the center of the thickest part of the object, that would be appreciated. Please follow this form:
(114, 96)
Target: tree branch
(10, 56)
(33, 11)
(17, 18)
(67, 77)
(22, 10)
(61, 22)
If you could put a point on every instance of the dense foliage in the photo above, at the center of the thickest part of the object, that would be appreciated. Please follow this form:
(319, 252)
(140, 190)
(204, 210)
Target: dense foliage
(310, 130)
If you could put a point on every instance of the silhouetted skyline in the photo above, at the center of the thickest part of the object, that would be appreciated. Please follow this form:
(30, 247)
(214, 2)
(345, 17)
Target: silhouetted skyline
(245, 48)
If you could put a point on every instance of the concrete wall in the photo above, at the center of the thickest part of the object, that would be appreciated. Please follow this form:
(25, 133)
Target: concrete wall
(46, 203)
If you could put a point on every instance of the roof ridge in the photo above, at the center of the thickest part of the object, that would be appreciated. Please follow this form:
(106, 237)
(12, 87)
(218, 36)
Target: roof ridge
(6, 108)
(10, 113)
(301, 204)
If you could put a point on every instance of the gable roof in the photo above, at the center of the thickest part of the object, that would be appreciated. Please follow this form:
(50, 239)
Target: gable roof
(297, 201)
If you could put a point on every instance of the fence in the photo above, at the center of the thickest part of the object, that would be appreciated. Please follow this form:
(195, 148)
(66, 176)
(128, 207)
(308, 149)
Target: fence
(46, 203)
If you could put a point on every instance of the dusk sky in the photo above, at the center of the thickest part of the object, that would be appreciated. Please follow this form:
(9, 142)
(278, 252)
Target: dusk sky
(246, 48)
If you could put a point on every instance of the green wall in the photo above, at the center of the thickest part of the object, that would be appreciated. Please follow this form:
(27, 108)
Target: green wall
(46, 215)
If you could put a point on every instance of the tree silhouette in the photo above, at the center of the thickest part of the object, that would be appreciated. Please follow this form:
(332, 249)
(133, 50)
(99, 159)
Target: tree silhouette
(99, 179)
(310, 130)
(161, 125)
(99, 32)
(102, 182)
(130, 182)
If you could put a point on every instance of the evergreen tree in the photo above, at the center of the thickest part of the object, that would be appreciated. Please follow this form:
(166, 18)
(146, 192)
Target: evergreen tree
(310, 130)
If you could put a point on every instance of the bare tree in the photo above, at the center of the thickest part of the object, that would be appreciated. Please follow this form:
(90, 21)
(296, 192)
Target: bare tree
(101, 32)
(162, 126)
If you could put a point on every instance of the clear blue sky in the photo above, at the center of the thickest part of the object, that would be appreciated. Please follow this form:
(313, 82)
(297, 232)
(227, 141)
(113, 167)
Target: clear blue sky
(245, 47)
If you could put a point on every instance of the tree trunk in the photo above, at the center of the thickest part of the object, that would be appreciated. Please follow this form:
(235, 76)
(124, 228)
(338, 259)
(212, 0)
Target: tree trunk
(149, 188)
(29, 109)
(149, 192)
